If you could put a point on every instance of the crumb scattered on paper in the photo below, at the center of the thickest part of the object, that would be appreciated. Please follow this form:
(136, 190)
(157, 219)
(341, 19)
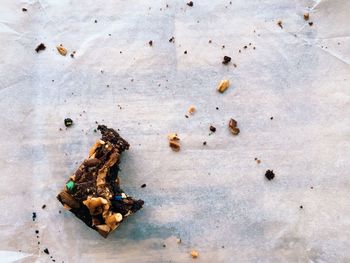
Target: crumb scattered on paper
(223, 85)
(40, 47)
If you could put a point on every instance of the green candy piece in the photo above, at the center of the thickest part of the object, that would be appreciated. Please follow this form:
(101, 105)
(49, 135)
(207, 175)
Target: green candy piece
(70, 185)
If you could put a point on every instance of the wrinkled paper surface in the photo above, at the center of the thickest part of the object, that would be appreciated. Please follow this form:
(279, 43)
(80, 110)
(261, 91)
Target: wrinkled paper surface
(214, 197)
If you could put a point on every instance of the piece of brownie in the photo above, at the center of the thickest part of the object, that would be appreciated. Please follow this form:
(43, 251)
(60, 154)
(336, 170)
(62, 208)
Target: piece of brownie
(93, 192)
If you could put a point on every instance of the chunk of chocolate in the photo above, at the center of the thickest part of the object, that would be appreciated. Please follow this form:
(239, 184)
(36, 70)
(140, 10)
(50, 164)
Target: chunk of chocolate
(93, 192)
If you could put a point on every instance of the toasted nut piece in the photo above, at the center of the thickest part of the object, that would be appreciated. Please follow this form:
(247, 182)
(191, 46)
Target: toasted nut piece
(67, 199)
(95, 204)
(174, 145)
(233, 127)
(194, 254)
(62, 50)
(223, 85)
(191, 110)
(306, 16)
(95, 221)
(113, 220)
(67, 207)
(92, 162)
(103, 230)
(173, 136)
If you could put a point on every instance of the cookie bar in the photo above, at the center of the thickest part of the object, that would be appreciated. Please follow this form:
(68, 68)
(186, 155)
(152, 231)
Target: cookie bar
(93, 192)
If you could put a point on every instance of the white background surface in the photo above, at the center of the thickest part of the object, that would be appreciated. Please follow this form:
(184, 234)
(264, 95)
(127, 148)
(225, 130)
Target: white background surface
(209, 196)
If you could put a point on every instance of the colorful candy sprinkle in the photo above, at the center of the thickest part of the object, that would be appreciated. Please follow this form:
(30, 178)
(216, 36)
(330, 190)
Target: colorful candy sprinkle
(70, 185)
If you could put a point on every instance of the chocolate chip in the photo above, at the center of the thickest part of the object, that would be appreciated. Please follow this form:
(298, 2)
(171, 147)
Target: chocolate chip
(46, 251)
(269, 174)
(226, 60)
(143, 186)
(190, 3)
(68, 122)
(212, 128)
(40, 47)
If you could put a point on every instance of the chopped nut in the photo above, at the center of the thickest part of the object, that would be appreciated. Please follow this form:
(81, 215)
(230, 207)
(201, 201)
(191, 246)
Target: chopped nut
(113, 220)
(62, 50)
(178, 240)
(174, 145)
(233, 127)
(279, 23)
(173, 136)
(223, 85)
(194, 254)
(191, 110)
(94, 204)
(306, 16)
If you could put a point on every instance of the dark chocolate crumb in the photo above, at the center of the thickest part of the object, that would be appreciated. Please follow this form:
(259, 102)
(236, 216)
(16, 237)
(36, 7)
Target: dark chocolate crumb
(51, 257)
(245, 47)
(223, 46)
(235, 65)
(212, 128)
(239, 51)
(150, 43)
(217, 108)
(72, 55)
(301, 207)
(186, 116)
(24, 9)
(311, 23)
(222, 246)
(190, 3)
(36, 231)
(250, 44)
(33, 216)
(226, 60)
(269, 174)
(37, 236)
(43, 207)
(59, 211)
(46, 251)
(172, 40)
(95, 130)
(254, 48)
(209, 41)
(95, 21)
(143, 186)
(68, 122)
(38, 242)
(204, 143)
(107, 86)
(164, 245)
(40, 47)
(185, 52)
(271, 118)
(311, 187)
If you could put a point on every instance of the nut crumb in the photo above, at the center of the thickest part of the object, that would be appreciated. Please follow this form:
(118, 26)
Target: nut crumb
(223, 85)
(306, 16)
(174, 142)
(191, 110)
(194, 254)
(233, 127)
(279, 23)
(62, 50)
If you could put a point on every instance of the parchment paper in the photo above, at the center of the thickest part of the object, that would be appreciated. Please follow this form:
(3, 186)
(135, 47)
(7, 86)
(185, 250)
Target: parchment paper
(214, 197)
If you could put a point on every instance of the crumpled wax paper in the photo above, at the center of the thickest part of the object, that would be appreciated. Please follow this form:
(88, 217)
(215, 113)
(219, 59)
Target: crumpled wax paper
(214, 197)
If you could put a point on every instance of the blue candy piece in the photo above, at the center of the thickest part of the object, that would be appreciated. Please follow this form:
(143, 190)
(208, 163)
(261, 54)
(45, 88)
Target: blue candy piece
(117, 198)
